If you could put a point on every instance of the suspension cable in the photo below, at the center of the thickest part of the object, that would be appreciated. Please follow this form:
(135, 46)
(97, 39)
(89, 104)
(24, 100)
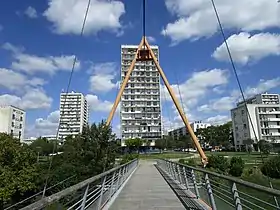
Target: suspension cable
(64, 102)
(238, 81)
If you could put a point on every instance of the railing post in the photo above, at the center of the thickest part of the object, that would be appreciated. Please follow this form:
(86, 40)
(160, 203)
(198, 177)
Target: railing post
(173, 170)
(119, 175)
(195, 184)
(179, 173)
(112, 185)
(185, 177)
(236, 199)
(210, 192)
(101, 193)
(84, 198)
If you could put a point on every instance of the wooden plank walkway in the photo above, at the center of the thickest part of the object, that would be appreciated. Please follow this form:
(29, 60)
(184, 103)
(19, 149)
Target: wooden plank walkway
(146, 190)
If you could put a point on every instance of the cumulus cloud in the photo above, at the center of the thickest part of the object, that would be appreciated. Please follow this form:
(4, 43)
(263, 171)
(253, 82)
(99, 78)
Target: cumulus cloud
(47, 126)
(32, 99)
(245, 47)
(197, 86)
(228, 102)
(16, 81)
(95, 104)
(102, 77)
(196, 18)
(32, 64)
(67, 16)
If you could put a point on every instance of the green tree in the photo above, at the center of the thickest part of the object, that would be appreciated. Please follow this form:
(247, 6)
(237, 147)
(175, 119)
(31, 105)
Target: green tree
(271, 167)
(265, 147)
(135, 143)
(83, 156)
(219, 163)
(160, 144)
(43, 146)
(216, 135)
(236, 166)
(18, 170)
(249, 144)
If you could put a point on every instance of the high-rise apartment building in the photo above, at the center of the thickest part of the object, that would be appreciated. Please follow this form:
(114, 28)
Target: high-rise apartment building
(140, 102)
(264, 111)
(12, 121)
(73, 114)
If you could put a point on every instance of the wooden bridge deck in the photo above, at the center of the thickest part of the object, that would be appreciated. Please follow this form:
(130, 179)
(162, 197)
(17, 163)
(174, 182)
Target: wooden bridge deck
(146, 190)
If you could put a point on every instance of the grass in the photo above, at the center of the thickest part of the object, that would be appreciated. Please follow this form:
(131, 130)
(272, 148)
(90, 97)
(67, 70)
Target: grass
(167, 155)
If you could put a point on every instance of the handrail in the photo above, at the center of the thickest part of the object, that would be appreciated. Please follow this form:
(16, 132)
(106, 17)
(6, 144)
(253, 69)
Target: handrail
(232, 179)
(216, 190)
(57, 196)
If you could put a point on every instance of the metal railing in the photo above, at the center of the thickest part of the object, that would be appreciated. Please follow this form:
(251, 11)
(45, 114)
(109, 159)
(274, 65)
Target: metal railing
(94, 192)
(218, 191)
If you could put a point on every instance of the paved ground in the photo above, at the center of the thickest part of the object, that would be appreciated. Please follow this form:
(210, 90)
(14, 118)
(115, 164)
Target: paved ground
(147, 190)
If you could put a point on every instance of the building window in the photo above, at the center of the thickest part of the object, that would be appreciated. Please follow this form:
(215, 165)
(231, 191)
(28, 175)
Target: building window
(13, 124)
(244, 126)
(242, 112)
(13, 117)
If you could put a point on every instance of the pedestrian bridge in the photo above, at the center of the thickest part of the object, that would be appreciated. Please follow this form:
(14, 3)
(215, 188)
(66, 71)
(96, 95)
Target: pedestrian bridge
(161, 184)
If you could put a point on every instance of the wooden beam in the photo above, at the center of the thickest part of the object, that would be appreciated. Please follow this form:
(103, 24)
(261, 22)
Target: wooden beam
(176, 102)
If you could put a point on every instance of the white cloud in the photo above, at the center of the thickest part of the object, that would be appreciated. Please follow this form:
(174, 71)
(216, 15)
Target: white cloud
(67, 16)
(103, 76)
(31, 12)
(151, 39)
(197, 86)
(196, 18)
(34, 64)
(43, 126)
(32, 99)
(95, 104)
(228, 102)
(263, 86)
(16, 81)
(245, 48)
(218, 120)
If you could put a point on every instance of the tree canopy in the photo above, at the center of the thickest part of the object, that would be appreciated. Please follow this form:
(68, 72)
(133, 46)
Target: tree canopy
(83, 156)
(216, 135)
(18, 170)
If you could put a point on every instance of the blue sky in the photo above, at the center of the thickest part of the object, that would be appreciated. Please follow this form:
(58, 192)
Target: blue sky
(38, 40)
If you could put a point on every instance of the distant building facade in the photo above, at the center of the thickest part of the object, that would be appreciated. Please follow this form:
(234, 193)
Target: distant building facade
(73, 114)
(182, 131)
(12, 121)
(264, 111)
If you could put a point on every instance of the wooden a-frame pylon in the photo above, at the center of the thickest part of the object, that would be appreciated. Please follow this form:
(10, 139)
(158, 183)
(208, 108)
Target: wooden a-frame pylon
(148, 54)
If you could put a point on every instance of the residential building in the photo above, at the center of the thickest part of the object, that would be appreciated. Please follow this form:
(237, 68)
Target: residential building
(73, 114)
(264, 111)
(140, 103)
(182, 131)
(12, 121)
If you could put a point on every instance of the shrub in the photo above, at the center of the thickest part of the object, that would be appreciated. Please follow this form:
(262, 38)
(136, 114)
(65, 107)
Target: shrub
(271, 167)
(128, 157)
(218, 162)
(236, 166)
(189, 162)
(265, 147)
